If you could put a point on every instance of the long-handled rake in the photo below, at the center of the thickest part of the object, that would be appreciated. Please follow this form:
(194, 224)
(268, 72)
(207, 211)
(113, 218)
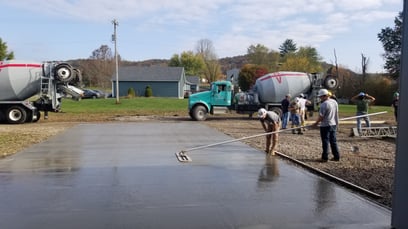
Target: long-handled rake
(183, 157)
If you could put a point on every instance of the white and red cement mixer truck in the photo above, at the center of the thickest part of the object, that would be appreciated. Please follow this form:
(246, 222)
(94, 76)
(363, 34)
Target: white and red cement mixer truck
(268, 92)
(27, 87)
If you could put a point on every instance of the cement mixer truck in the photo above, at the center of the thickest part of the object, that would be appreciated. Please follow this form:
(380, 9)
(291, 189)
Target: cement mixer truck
(268, 92)
(27, 87)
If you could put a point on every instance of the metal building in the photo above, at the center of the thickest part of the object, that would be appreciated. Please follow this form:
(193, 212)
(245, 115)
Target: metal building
(164, 81)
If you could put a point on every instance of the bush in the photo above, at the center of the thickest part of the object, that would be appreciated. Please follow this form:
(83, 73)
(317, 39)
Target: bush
(148, 91)
(131, 93)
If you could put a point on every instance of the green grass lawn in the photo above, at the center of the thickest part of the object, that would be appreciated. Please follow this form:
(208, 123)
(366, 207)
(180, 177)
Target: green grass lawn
(171, 106)
(350, 110)
(143, 105)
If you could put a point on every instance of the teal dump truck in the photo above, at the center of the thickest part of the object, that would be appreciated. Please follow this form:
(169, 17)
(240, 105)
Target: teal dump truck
(268, 92)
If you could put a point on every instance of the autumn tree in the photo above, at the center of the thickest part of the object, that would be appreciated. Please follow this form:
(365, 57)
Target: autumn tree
(4, 54)
(306, 59)
(258, 54)
(212, 68)
(274, 61)
(193, 63)
(98, 70)
(248, 74)
(391, 39)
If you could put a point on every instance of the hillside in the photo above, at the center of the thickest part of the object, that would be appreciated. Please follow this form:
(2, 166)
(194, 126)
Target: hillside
(226, 63)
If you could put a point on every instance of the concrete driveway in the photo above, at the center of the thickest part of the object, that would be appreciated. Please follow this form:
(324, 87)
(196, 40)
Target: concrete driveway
(126, 175)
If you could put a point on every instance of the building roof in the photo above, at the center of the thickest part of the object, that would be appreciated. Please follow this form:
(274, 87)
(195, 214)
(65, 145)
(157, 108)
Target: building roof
(193, 80)
(152, 73)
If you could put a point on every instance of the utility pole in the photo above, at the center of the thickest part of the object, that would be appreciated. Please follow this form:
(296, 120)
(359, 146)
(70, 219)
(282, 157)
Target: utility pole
(115, 24)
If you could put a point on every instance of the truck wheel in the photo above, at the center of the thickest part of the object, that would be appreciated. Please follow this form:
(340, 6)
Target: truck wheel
(277, 110)
(191, 114)
(330, 82)
(64, 73)
(199, 113)
(16, 115)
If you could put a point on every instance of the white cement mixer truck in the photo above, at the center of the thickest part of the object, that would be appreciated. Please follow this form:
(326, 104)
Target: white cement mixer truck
(27, 87)
(268, 92)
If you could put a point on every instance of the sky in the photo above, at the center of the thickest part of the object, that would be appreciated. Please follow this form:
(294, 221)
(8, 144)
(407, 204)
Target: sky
(45, 30)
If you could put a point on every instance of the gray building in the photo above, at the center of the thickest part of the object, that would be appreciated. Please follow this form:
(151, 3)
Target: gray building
(193, 84)
(164, 81)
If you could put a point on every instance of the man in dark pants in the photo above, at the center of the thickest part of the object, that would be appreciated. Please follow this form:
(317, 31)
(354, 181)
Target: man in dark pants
(285, 111)
(329, 119)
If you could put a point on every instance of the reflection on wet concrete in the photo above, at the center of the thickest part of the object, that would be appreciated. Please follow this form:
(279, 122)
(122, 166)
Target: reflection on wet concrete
(125, 175)
(269, 172)
(325, 195)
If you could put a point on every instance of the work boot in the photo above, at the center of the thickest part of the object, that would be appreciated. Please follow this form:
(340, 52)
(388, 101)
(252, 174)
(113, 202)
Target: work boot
(323, 160)
(272, 152)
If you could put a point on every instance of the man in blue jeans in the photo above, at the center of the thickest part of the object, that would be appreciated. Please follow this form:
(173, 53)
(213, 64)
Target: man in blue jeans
(329, 119)
(362, 100)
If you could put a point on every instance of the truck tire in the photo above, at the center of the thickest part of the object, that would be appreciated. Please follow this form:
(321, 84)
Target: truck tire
(330, 82)
(277, 110)
(191, 114)
(64, 73)
(199, 113)
(16, 115)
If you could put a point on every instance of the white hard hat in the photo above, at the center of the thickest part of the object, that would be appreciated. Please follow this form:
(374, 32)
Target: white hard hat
(261, 112)
(323, 92)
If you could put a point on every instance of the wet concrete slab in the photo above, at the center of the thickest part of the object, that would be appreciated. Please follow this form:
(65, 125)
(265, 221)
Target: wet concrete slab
(126, 175)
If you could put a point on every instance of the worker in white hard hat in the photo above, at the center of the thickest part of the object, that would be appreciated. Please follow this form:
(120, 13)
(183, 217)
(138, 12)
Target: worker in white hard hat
(271, 123)
(329, 119)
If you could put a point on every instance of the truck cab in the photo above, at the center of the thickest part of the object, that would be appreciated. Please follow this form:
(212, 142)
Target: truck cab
(202, 103)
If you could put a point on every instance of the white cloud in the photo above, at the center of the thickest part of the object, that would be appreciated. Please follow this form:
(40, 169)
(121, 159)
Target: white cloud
(232, 25)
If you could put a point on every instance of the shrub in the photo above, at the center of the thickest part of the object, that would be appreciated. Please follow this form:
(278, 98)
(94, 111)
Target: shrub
(148, 91)
(131, 93)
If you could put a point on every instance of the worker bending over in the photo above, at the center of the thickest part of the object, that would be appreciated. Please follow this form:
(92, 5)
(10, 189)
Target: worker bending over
(271, 123)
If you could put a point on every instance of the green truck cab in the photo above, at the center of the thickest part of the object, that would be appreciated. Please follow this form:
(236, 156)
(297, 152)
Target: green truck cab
(202, 103)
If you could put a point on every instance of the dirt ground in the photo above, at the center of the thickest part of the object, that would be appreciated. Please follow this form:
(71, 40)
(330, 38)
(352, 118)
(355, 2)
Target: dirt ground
(371, 166)
(366, 162)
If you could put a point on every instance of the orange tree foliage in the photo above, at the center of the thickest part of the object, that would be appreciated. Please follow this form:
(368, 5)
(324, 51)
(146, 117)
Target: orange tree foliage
(249, 74)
